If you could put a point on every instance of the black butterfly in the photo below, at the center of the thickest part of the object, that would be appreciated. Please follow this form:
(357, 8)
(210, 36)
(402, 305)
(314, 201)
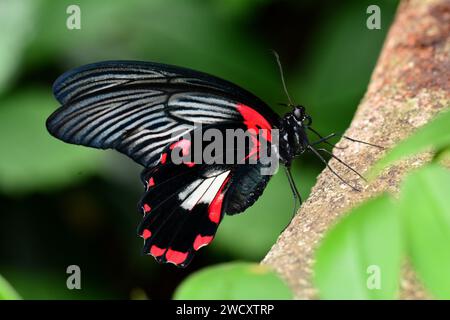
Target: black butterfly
(142, 109)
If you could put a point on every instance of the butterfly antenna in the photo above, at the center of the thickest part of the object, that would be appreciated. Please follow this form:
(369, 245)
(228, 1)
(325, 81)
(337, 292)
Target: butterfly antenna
(325, 139)
(277, 57)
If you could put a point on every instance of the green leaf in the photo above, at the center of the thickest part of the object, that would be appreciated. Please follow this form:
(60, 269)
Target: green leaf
(232, 281)
(435, 135)
(425, 204)
(16, 24)
(31, 158)
(360, 257)
(7, 292)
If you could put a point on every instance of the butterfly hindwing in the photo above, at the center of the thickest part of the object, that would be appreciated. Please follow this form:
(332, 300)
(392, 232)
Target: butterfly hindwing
(181, 214)
(184, 203)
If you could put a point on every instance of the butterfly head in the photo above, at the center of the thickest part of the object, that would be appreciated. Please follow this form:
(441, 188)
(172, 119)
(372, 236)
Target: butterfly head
(293, 138)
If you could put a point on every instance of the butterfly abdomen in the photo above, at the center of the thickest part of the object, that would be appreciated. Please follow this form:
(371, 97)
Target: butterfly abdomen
(248, 186)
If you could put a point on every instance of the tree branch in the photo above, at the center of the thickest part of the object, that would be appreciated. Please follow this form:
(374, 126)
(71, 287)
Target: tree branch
(409, 85)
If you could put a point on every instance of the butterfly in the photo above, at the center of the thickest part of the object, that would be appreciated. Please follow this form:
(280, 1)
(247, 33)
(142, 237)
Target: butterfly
(145, 110)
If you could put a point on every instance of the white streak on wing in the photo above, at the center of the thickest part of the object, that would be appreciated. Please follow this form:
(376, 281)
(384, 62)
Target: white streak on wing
(195, 197)
(208, 197)
(189, 113)
(100, 126)
(172, 136)
(211, 100)
(205, 193)
(141, 122)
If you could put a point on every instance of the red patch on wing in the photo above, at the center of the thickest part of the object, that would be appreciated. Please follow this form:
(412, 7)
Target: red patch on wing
(146, 234)
(156, 251)
(163, 158)
(255, 121)
(146, 208)
(215, 208)
(151, 182)
(201, 241)
(254, 152)
(184, 144)
(176, 257)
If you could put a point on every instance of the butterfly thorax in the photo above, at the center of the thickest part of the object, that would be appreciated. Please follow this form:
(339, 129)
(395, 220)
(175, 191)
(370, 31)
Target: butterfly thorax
(293, 138)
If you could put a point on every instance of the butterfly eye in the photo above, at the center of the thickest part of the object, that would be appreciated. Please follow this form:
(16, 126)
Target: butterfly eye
(298, 113)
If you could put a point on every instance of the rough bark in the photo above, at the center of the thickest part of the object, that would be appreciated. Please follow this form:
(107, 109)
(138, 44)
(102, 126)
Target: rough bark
(409, 85)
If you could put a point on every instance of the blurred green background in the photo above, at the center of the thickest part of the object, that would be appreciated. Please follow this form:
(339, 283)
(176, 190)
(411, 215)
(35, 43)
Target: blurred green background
(62, 204)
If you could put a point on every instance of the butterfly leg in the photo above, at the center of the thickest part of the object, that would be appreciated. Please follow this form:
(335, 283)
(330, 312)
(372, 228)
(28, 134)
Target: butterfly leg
(324, 139)
(342, 162)
(294, 189)
(330, 168)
